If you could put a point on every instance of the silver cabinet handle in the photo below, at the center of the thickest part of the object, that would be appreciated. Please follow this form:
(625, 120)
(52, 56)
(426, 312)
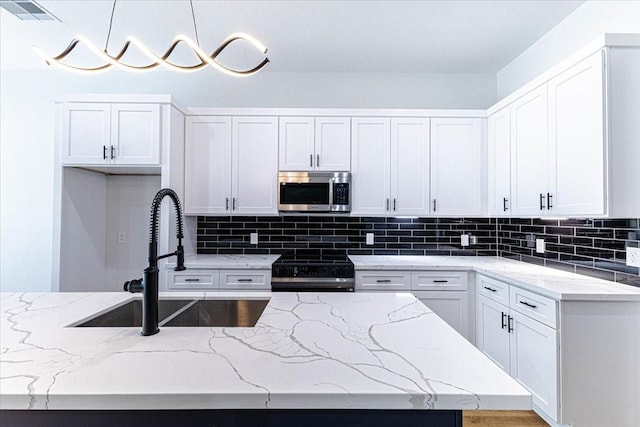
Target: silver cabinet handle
(226, 204)
(503, 324)
(541, 200)
(317, 160)
(434, 205)
(509, 324)
(504, 204)
(394, 204)
(383, 281)
(245, 280)
(113, 156)
(310, 160)
(387, 204)
(233, 204)
(191, 280)
(549, 198)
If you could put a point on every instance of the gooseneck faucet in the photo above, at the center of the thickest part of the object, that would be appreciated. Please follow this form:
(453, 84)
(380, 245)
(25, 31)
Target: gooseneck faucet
(148, 285)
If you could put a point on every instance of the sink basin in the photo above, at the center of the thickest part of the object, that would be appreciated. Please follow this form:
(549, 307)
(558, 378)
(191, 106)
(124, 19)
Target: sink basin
(224, 313)
(184, 313)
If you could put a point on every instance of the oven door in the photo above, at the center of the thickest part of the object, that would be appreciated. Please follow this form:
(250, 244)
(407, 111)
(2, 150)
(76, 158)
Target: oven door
(312, 284)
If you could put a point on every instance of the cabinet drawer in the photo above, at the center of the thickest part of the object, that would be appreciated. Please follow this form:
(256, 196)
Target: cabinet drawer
(493, 289)
(536, 306)
(204, 280)
(439, 280)
(243, 279)
(383, 281)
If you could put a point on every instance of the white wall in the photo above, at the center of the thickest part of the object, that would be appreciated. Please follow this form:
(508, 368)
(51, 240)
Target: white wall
(27, 126)
(584, 25)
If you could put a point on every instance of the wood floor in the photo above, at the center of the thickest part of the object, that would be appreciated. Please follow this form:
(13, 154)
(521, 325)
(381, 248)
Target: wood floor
(502, 419)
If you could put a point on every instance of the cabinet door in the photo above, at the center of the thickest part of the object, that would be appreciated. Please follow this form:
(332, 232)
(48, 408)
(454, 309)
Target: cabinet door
(499, 163)
(534, 361)
(370, 174)
(135, 134)
(450, 306)
(86, 133)
(576, 139)
(333, 144)
(255, 165)
(207, 170)
(456, 167)
(410, 167)
(529, 149)
(296, 144)
(492, 335)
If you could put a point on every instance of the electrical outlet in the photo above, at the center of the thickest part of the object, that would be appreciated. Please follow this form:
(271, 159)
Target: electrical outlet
(253, 237)
(633, 257)
(540, 246)
(464, 240)
(369, 238)
(122, 237)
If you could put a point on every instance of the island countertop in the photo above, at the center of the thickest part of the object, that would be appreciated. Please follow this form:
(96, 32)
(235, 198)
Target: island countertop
(308, 350)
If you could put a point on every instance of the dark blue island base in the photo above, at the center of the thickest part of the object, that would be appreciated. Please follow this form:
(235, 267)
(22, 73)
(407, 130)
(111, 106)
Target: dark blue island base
(234, 418)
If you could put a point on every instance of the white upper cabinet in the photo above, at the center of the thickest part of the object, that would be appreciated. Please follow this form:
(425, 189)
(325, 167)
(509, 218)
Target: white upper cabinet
(208, 165)
(576, 139)
(110, 134)
(333, 144)
(297, 146)
(529, 148)
(499, 163)
(370, 168)
(86, 133)
(231, 165)
(135, 133)
(456, 167)
(409, 166)
(254, 165)
(321, 143)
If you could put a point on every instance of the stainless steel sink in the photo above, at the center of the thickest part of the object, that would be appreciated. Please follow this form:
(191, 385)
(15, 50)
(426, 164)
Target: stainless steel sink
(228, 313)
(183, 313)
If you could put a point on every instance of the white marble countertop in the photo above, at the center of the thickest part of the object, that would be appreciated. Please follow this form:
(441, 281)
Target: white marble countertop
(230, 262)
(553, 283)
(308, 350)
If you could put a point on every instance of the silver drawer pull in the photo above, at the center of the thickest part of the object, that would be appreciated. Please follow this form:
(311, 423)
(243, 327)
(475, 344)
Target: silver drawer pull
(440, 281)
(490, 289)
(527, 304)
(191, 280)
(383, 281)
(245, 280)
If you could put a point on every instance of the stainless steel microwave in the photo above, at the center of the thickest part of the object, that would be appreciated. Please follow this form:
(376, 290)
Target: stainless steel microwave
(314, 191)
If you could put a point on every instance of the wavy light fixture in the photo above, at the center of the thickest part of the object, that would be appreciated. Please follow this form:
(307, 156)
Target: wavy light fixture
(115, 61)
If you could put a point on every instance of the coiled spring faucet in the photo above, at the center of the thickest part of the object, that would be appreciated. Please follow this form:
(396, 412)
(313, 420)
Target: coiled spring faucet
(148, 285)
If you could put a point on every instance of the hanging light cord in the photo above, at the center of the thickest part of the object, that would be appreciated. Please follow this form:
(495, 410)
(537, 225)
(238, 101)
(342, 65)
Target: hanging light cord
(113, 9)
(195, 27)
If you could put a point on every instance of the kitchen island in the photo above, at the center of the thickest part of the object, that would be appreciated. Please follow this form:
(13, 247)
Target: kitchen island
(330, 353)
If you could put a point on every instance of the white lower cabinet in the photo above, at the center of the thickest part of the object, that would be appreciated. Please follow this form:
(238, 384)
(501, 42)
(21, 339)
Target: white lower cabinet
(231, 280)
(519, 343)
(446, 293)
(216, 279)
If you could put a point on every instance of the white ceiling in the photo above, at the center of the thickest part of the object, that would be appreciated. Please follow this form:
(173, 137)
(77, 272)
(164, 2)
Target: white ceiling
(472, 36)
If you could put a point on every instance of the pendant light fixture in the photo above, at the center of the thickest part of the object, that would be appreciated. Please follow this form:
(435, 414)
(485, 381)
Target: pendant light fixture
(157, 60)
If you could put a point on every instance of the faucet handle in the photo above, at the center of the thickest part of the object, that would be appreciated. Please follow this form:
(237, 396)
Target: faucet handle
(180, 255)
(134, 286)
